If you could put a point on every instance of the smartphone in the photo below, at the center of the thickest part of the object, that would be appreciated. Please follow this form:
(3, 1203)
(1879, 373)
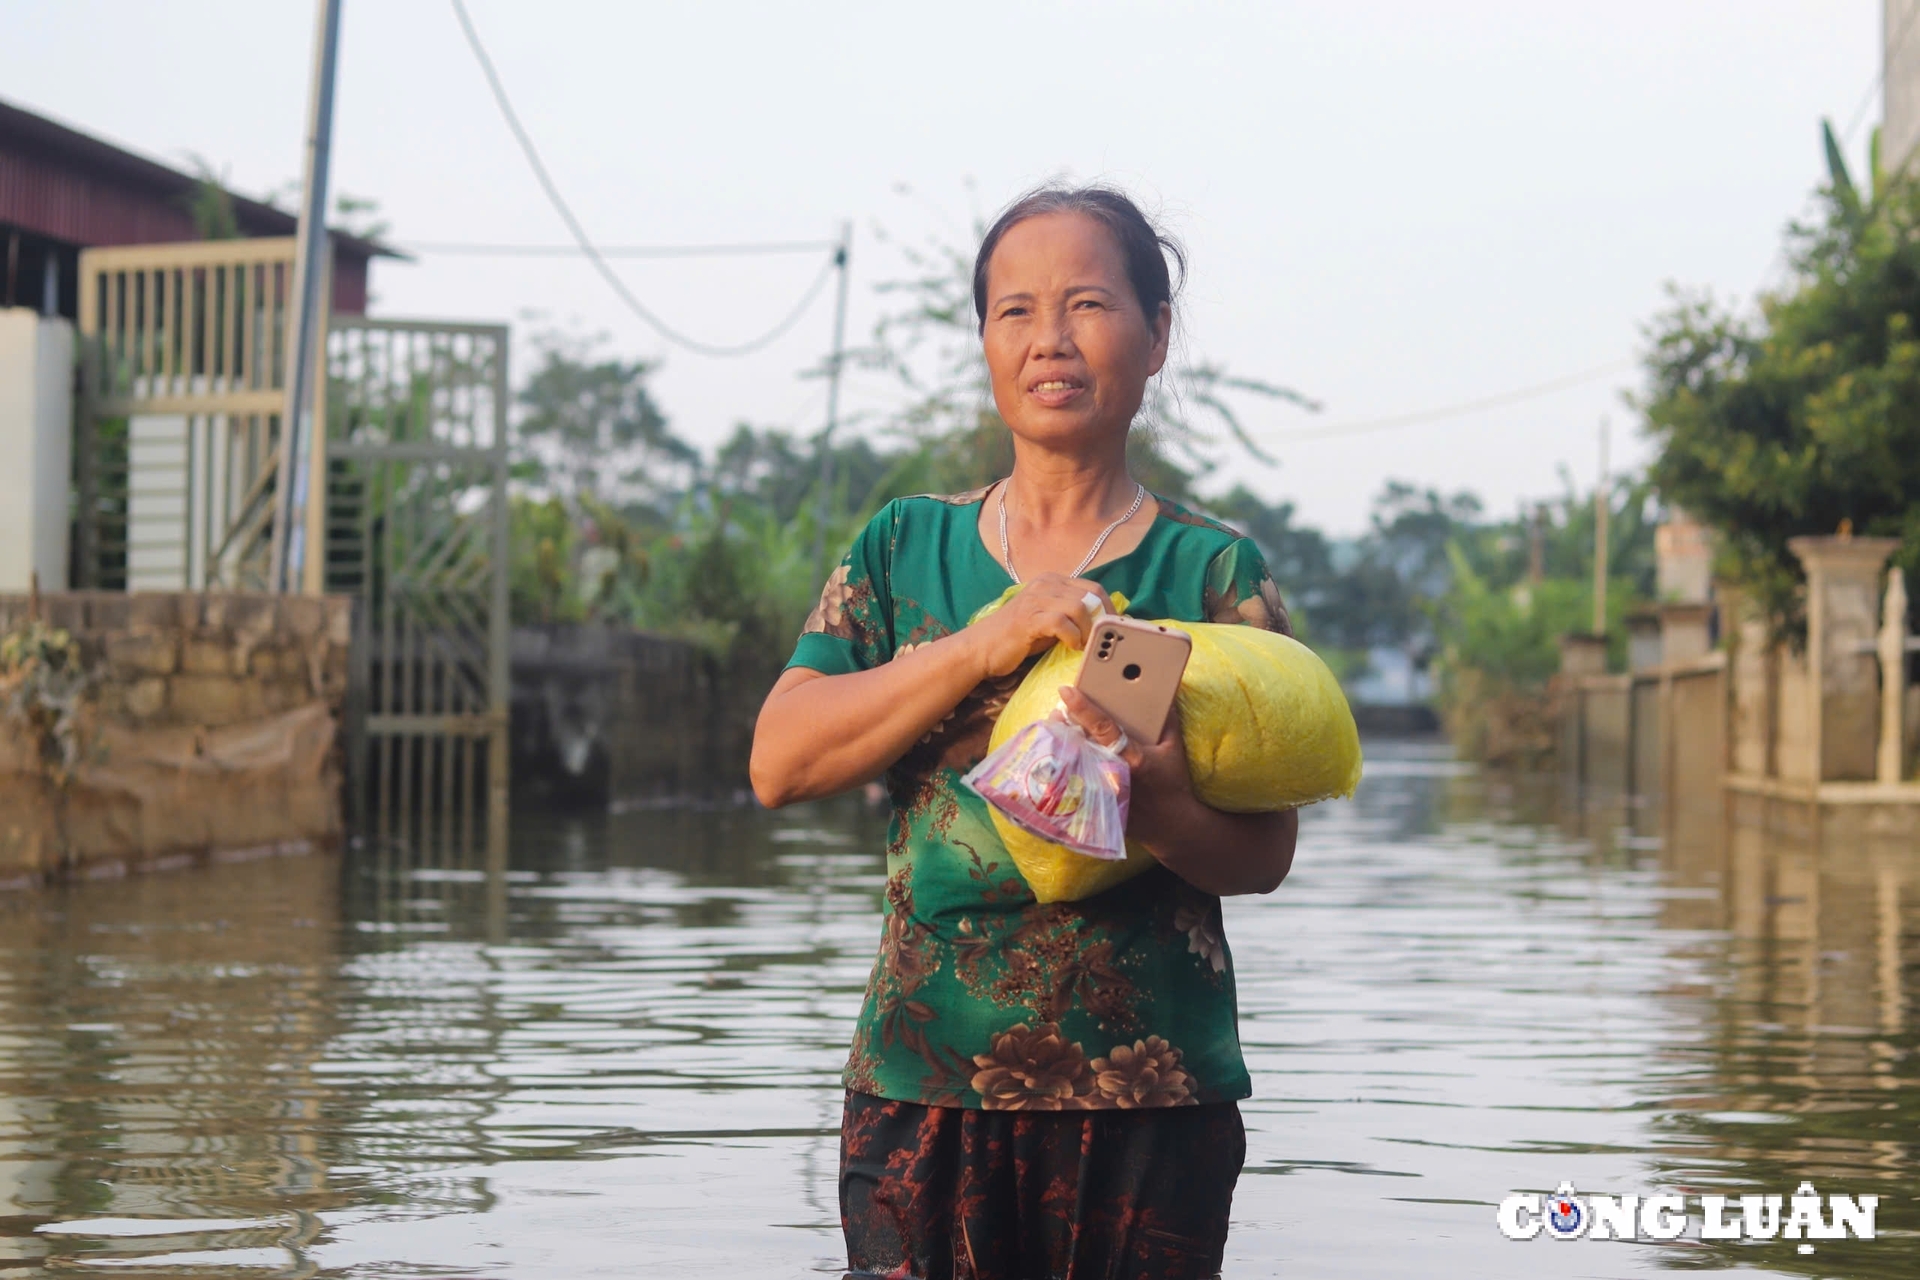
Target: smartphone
(1132, 672)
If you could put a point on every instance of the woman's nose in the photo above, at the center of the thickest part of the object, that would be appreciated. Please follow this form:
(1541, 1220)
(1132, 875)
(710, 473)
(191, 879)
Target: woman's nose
(1053, 335)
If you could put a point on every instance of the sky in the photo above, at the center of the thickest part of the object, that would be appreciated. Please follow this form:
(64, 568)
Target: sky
(1390, 207)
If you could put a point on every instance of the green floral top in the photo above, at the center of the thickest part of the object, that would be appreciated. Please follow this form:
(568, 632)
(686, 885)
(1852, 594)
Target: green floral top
(982, 997)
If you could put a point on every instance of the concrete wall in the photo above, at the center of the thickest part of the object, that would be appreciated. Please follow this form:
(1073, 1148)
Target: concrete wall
(1697, 739)
(211, 725)
(1752, 703)
(1796, 719)
(1606, 725)
(1657, 735)
(36, 431)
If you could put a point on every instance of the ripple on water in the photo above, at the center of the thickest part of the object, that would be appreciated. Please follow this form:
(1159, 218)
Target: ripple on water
(626, 1056)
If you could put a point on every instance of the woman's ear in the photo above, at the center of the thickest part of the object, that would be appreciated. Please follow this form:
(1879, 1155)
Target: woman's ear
(1162, 329)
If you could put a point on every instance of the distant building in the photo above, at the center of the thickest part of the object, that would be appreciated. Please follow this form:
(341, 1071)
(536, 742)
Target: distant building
(1899, 83)
(62, 191)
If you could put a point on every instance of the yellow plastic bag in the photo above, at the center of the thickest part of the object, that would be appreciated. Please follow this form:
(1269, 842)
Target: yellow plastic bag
(1266, 727)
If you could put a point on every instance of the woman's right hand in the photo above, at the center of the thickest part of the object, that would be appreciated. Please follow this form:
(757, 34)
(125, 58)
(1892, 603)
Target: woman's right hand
(1048, 608)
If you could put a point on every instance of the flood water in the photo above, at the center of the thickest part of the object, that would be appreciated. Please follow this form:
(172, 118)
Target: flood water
(624, 1060)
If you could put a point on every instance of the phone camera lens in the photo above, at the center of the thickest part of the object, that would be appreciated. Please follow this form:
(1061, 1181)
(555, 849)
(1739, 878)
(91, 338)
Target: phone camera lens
(1130, 672)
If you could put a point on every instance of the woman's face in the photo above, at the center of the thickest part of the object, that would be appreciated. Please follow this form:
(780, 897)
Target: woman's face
(1068, 349)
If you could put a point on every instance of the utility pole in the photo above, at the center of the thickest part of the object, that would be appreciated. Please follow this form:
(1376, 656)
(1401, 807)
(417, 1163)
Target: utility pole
(838, 358)
(304, 337)
(1537, 546)
(1600, 514)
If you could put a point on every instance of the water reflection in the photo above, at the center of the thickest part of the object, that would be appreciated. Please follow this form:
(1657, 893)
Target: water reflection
(622, 1058)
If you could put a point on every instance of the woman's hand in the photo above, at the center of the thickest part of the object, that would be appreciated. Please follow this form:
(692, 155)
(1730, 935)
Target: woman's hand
(1048, 608)
(1219, 853)
(1158, 769)
(818, 734)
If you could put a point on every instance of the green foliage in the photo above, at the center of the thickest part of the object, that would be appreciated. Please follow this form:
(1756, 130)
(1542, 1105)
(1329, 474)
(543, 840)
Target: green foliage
(1301, 558)
(211, 204)
(1512, 633)
(543, 569)
(1809, 414)
(928, 344)
(724, 552)
(1431, 576)
(360, 216)
(589, 428)
(355, 215)
(737, 579)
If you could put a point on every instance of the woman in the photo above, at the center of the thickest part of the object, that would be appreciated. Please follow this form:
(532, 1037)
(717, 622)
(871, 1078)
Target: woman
(1034, 1091)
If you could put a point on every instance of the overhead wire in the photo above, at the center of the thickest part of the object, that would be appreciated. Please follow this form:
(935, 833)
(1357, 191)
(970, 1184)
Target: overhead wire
(1598, 371)
(481, 249)
(585, 243)
(1517, 396)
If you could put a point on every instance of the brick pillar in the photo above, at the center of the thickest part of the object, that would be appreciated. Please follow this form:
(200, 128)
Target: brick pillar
(1752, 675)
(1643, 639)
(1893, 679)
(1583, 655)
(1686, 632)
(1683, 560)
(1843, 623)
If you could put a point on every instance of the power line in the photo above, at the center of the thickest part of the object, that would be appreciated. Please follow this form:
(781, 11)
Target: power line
(1516, 396)
(478, 249)
(586, 245)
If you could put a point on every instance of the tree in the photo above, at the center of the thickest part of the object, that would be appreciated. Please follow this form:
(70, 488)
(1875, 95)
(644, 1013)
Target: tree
(929, 344)
(1808, 415)
(776, 469)
(589, 428)
(211, 203)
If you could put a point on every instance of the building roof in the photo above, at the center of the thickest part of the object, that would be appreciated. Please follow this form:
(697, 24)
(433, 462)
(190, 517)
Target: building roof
(70, 186)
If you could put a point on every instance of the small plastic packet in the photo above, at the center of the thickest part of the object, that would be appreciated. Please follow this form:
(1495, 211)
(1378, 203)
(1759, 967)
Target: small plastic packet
(1054, 781)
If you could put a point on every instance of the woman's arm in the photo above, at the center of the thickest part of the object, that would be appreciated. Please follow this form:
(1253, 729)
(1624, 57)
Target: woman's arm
(1218, 853)
(819, 734)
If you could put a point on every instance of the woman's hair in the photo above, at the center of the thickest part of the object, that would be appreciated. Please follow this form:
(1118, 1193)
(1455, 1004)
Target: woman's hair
(1144, 246)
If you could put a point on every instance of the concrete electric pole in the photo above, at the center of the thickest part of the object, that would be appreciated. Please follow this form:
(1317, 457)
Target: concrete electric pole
(305, 336)
(834, 362)
(1600, 514)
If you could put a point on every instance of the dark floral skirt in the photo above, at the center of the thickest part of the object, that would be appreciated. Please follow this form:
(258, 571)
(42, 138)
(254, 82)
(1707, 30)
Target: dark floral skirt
(951, 1193)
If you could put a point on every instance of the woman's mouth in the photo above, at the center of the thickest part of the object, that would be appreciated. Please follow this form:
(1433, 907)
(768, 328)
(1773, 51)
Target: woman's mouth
(1054, 392)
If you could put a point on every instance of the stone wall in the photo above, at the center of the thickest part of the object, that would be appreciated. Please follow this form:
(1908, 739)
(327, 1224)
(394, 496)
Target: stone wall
(210, 725)
(609, 716)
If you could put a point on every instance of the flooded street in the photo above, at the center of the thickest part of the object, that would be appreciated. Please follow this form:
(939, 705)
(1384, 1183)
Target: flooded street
(624, 1061)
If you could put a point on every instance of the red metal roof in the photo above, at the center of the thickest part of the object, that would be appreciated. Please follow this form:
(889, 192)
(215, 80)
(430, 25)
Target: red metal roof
(67, 186)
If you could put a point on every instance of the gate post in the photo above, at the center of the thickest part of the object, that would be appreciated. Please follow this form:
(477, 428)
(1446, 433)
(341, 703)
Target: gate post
(1890, 767)
(500, 632)
(1843, 574)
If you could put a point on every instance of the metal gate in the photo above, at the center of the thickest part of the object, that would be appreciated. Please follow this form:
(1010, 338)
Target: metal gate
(183, 381)
(183, 384)
(416, 528)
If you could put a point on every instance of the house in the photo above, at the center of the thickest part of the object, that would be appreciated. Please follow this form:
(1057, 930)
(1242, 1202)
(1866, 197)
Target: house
(62, 191)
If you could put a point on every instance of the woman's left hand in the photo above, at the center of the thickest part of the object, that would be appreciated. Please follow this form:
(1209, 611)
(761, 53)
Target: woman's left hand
(1220, 853)
(1158, 769)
